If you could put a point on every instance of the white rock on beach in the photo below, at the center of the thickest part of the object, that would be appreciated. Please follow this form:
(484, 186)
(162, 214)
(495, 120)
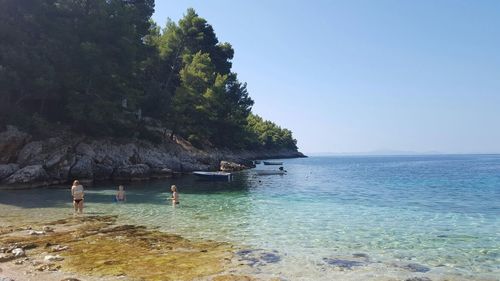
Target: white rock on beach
(36, 232)
(53, 258)
(18, 252)
(58, 248)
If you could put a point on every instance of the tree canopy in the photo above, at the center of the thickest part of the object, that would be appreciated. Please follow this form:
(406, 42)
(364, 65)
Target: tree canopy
(101, 65)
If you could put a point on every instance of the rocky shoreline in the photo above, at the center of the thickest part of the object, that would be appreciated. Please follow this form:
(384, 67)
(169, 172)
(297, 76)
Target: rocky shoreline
(97, 248)
(26, 162)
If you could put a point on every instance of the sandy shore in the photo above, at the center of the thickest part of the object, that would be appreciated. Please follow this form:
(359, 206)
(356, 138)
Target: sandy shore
(96, 248)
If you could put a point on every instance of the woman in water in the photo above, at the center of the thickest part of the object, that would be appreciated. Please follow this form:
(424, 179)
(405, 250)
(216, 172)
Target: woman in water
(175, 195)
(77, 193)
(120, 194)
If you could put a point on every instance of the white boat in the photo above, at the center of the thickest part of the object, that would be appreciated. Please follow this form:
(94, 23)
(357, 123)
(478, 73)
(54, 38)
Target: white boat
(213, 175)
(269, 172)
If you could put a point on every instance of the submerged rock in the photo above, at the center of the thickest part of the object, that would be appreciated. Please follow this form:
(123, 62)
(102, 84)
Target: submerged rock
(361, 255)
(342, 263)
(418, 279)
(415, 267)
(233, 277)
(258, 257)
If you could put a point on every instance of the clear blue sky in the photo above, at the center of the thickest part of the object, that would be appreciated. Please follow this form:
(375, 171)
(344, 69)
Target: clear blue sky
(355, 76)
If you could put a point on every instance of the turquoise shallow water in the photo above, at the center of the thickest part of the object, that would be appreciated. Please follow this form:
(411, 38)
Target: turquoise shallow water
(348, 218)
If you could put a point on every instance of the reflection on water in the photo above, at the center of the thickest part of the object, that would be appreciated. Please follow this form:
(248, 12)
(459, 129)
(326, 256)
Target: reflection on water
(385, 215)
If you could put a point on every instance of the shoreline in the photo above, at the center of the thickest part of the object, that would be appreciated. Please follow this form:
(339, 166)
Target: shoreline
(92, 248)
(29, 163)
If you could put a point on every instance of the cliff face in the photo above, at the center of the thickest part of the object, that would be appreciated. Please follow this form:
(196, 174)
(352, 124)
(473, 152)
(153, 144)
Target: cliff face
(25, 162)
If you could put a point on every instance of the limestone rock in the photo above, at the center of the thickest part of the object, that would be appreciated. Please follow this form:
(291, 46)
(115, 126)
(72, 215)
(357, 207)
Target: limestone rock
(28, 175)
(161, 172)
(7, 170)
(35, 232)
(83, 168)
(59, 248)
(48, 267)
(11, 141)
(103, 171)
(132, 172)
(47, 228)
(6, 257)
(31, 154)
(53, 258)
(227, 166)
(18, 252)
(85, 149)
(58, 156)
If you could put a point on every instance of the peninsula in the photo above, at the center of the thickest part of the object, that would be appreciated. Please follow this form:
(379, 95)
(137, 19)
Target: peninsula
(97, 91)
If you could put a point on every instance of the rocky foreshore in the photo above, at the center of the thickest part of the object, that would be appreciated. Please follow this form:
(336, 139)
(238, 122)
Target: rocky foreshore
(27, 162)
(97, 248)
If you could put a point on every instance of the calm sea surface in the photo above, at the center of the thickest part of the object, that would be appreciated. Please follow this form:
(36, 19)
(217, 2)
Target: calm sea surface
(347, 218)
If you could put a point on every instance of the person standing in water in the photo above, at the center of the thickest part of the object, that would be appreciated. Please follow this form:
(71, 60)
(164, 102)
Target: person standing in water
(77, 193)
(120, 194)
(175, 195)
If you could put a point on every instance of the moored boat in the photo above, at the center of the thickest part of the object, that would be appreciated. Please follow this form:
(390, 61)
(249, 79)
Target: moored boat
(213, 175)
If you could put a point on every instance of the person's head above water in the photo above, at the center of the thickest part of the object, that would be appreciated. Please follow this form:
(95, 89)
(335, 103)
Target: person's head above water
(173, 188)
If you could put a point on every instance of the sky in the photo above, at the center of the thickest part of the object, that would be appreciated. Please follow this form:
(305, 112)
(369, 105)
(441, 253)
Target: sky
(364, 76)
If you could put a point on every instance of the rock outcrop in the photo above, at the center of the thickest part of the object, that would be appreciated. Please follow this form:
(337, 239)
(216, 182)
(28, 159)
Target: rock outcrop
(132, 172)
(7, 170)
(29, 163)
(228, 166)
(29, 176)
(11, 141)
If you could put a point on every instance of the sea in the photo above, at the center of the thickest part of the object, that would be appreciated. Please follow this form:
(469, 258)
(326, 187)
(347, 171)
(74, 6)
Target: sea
(327, 218)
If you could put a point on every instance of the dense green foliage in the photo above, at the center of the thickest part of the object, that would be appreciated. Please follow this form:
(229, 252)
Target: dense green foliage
(100, 66)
